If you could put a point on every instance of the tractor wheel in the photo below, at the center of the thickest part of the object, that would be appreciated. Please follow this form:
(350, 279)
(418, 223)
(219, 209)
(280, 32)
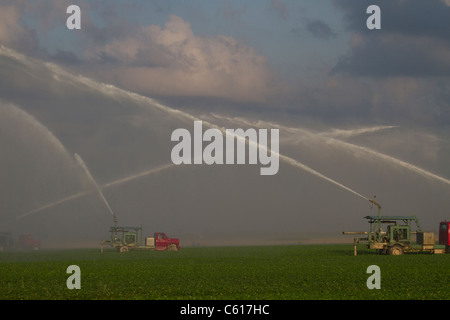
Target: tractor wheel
(123, 249)
(396, 250)
(172, 247)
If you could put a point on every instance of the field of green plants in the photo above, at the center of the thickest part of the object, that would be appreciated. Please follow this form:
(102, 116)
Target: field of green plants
(227, 273)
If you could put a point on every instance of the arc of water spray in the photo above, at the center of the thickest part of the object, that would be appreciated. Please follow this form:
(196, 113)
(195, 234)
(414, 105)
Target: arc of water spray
(97, 188)
(294, 163)
(55, 203)
(107, 185)
(354, 147)
(138, 175)
(37, 127)
(318, 174)
(282, 157)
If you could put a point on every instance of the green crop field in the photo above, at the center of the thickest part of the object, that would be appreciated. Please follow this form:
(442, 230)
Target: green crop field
(273, 272)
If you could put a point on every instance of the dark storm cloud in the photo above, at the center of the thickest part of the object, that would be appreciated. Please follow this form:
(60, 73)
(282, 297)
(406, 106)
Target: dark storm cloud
(320, 29)
(413, 40)
(384, 55)
(412, 17)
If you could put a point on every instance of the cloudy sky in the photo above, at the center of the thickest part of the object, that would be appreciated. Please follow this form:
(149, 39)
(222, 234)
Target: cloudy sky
(369, 109)
(314, 57)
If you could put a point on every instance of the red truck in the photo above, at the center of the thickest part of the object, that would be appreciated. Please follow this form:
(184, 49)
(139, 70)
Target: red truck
(162, 242)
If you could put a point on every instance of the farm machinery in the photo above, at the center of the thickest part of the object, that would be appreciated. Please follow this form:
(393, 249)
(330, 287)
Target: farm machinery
(397, 238)
(130, 238)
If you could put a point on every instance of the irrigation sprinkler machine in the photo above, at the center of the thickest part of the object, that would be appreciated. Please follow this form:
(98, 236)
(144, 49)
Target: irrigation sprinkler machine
(130, 238)
(396, 239)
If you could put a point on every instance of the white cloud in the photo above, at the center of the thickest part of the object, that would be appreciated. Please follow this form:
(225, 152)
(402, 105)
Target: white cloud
(173, 60)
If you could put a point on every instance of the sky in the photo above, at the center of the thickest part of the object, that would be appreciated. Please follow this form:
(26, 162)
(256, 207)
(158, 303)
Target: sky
(365, 110)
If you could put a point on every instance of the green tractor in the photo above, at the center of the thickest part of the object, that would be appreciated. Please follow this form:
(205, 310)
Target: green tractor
(397, 238)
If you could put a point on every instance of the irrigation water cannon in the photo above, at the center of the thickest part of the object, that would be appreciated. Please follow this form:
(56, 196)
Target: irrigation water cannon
(375, 203)
(397, 239)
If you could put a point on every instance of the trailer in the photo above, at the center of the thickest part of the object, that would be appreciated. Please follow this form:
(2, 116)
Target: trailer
(393, 235)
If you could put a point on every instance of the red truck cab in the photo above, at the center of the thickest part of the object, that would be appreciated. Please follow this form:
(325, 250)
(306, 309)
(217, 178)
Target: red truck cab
(163, 242)
(444, 234)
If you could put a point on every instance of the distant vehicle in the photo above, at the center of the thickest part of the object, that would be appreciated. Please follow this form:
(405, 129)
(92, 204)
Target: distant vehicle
(6, 241)
(25, 241)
